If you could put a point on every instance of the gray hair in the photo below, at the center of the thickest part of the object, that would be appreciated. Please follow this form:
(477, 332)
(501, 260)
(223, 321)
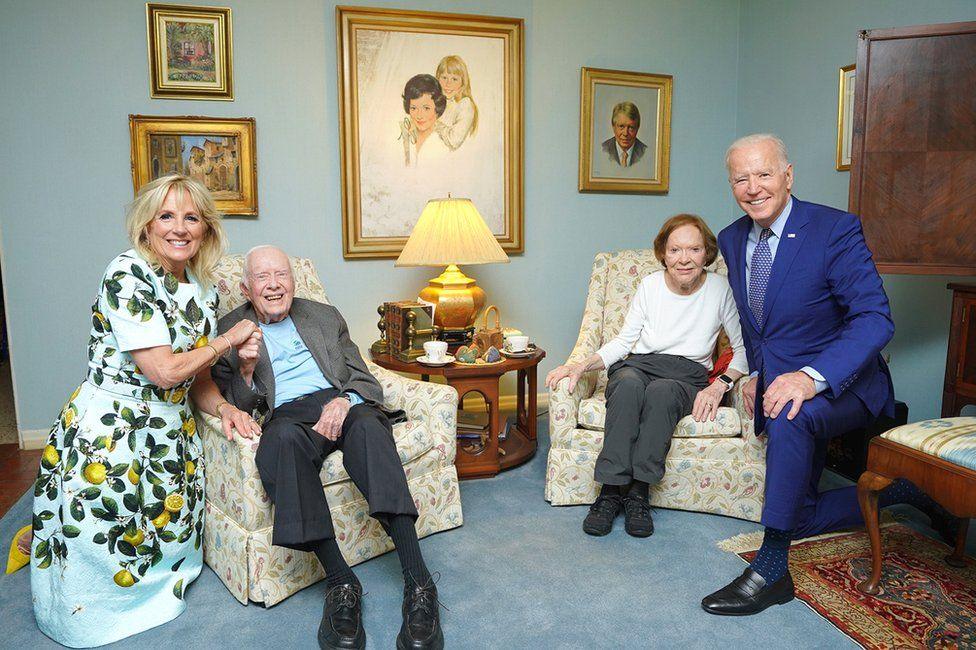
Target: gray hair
(626, 108)
(250, 253)
(759, 138)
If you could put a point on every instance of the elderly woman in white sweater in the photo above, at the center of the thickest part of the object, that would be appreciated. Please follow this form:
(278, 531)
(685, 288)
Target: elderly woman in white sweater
(658, 369)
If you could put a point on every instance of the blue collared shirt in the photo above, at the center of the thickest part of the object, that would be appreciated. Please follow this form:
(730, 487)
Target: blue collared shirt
(295, 371)
(778, 226)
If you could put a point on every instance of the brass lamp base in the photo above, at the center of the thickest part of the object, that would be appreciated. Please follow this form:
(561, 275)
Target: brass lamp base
(458, 298)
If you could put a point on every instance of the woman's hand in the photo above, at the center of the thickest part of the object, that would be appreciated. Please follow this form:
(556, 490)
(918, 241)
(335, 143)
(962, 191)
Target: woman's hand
(241, 332)
(574, 373)
(233, 419)
(707, 402)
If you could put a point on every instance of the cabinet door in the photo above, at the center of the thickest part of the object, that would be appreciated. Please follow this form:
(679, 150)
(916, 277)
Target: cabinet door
(966, 371)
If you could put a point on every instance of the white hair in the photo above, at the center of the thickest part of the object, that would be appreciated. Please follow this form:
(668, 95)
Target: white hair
(250, 253)
(759, 138)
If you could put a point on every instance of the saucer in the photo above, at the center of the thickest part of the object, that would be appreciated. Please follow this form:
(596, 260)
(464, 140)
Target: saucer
(424, 361)
(527, 352)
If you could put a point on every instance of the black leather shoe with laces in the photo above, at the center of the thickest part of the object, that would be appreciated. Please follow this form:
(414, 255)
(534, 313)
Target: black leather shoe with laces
(599, 521)
(342, 619)
(421, 629)
(637, 517)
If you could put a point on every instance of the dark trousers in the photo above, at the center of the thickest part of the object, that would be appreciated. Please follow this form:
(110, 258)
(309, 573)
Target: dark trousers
(290, 457)
(795, 454)
(646, 396)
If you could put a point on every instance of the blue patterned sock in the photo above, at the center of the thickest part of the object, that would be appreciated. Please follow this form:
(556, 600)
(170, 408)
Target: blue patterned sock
(771, 560)
(904, 491)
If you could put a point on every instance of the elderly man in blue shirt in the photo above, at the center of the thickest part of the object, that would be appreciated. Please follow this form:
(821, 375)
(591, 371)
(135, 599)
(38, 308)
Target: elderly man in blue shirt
(303, 373)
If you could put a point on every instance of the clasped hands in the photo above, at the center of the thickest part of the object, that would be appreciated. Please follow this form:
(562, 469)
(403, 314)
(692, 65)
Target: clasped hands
(796, 387)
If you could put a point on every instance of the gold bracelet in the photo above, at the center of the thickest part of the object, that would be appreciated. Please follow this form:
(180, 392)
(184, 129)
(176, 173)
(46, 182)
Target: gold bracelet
(215, 353)
(217, 408)
(227, 341)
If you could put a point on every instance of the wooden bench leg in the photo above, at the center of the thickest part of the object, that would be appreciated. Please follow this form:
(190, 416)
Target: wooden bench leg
(958, 557)
(867, 495)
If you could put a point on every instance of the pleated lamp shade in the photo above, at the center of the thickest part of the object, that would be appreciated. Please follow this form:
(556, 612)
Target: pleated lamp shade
(450, 231)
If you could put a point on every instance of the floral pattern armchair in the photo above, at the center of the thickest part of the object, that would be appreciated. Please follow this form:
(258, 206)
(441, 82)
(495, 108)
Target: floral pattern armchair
(717, 467)
(237, 535)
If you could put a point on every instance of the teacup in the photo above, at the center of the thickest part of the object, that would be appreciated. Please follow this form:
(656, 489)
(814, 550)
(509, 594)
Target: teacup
(517, 343)
(436, 351)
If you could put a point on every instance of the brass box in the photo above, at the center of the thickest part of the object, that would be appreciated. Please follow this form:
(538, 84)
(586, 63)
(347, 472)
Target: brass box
(409, 324)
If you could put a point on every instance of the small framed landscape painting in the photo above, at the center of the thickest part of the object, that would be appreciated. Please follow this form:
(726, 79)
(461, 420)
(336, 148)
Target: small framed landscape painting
(190, 52)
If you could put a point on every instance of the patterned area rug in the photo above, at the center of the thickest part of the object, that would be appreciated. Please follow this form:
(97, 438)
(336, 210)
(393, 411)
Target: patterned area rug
(923, 603)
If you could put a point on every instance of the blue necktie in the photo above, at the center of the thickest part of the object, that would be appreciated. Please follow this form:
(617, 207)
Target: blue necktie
(759, 270)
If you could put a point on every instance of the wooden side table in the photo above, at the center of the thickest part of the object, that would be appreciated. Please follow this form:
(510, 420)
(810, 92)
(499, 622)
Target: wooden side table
(495, 456)
(960, 376)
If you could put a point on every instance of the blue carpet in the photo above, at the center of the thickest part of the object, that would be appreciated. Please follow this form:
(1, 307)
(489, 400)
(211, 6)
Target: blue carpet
(518, 574)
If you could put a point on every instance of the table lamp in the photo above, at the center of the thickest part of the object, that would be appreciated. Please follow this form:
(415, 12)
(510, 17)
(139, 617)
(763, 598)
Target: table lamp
(451, 232)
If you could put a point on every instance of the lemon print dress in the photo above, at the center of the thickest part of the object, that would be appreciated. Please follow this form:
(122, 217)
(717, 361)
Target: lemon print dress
(118, 501)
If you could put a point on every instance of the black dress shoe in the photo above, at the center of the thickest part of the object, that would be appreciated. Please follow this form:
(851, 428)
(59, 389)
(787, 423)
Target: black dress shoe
(342, 619)
(421, 628)
(748, 594)
(599, 521)
(637, 517)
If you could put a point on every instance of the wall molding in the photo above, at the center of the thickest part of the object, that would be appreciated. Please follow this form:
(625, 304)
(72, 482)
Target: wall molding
(33, 438)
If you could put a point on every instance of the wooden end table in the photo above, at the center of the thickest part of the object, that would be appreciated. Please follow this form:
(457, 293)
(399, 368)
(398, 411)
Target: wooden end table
(475, 461)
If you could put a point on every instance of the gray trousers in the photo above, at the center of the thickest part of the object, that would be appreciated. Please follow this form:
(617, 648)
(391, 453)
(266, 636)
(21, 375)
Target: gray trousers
(646, 396)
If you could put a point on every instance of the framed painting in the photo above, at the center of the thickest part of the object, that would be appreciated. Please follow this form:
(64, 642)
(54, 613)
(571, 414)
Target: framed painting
(218, 152)
(625, 131)
(190, 52)
(845, 117)
(430, 105)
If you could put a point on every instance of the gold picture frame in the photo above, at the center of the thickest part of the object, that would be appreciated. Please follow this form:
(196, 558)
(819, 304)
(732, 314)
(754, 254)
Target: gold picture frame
(391, 168)
(219, 152)
(190, 52)
(845, 117)
(614, 106)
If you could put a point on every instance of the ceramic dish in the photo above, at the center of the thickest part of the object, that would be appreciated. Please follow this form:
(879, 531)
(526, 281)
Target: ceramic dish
(527, 352)
(424, 361)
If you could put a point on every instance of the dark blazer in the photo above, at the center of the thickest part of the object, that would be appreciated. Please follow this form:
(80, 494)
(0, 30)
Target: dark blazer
(636, 151)
(325, 334)
(825, 306)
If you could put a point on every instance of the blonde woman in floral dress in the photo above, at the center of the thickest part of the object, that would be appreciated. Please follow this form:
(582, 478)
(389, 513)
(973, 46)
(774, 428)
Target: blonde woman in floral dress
(118, 502)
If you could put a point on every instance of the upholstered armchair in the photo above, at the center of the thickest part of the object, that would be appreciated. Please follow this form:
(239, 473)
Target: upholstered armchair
(237, 535)
(716, 467)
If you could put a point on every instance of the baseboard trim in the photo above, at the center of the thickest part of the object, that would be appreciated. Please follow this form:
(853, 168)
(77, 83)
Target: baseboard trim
(33, 438)
(507, 403)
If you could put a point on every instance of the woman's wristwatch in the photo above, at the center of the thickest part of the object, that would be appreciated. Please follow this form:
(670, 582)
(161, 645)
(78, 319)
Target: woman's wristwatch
(727, 381)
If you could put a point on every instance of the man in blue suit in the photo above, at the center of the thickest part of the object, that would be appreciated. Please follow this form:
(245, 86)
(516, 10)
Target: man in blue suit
(815, 318)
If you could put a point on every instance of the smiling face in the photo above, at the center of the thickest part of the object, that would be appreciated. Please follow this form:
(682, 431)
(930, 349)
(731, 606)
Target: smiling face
(625, 130)
(176, 232)
(268, 284)
(450, 83)
(761, 181)
(423, 113)
(684, 259)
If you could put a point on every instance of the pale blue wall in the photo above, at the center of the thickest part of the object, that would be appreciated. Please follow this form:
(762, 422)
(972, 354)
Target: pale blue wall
(788, 62)
(73, 71)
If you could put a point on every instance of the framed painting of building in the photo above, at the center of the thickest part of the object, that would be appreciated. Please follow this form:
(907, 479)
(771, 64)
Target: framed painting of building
(430, 104)
(218, 152)
(190, 52)
(625, 131)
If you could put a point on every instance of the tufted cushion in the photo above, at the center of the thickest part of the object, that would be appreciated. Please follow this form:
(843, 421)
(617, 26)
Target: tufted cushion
(231, 268)
(593, 414)
(951, 439)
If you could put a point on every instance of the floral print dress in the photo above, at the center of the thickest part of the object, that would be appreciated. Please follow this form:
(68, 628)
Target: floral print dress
(118, 501)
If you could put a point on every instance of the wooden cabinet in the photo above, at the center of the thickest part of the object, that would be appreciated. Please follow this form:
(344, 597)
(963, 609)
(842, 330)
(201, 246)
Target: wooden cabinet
(960, 377)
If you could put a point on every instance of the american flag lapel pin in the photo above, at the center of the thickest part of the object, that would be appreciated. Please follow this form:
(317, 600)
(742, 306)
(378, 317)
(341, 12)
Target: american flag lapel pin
(791, 235)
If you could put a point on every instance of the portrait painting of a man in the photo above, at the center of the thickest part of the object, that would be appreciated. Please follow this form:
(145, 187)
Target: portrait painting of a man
(625, 131)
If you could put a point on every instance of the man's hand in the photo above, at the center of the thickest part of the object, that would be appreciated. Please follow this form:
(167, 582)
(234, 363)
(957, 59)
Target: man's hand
(333, 415)
(233, 419)
(796, 387)
(707, 402)
(749, 396)
(248, 353)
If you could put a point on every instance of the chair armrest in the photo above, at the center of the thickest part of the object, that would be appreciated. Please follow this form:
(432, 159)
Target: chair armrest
(564, 405)
(735, 399)
(434, 404)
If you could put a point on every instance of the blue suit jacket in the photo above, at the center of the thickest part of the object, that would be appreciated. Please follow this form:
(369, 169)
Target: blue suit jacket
(825, 306)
